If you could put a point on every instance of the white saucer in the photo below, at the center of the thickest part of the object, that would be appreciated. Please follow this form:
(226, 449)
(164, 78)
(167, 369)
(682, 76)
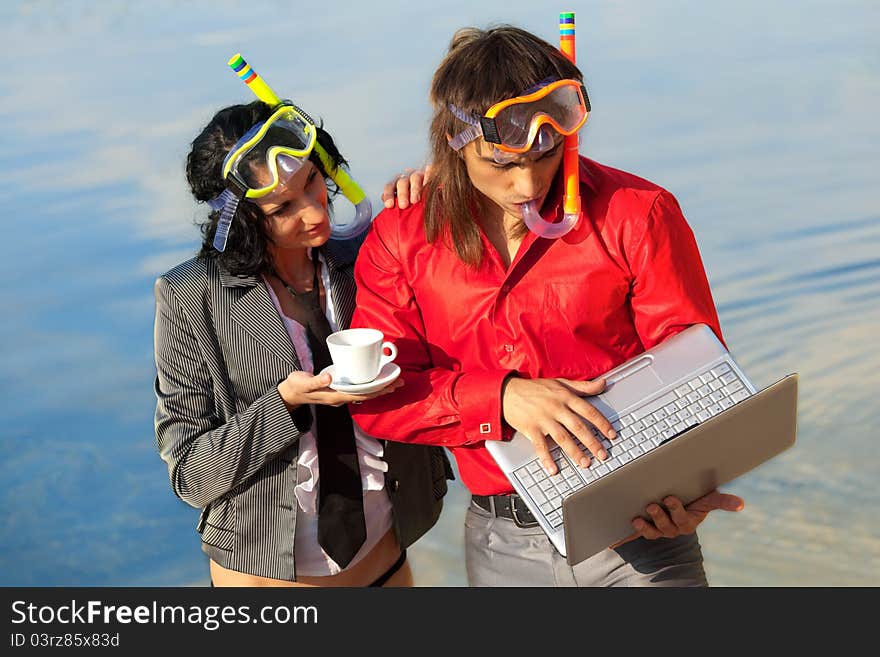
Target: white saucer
(386, 375)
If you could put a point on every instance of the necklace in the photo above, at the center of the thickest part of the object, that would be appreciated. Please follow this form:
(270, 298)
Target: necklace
(290, 287)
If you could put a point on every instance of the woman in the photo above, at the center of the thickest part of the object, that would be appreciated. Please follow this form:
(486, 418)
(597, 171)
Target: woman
(239, 409)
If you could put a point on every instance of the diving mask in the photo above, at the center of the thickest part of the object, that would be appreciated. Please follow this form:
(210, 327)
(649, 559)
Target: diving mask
(286, 138)
(266, 157)
(277, 148)
(513, 125)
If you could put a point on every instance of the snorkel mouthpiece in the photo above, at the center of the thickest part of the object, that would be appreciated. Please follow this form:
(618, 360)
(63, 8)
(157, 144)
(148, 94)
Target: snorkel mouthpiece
(363, 214)
(547, 229)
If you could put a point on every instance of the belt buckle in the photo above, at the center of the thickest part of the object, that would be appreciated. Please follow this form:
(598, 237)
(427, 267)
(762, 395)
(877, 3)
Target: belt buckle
(524, 524)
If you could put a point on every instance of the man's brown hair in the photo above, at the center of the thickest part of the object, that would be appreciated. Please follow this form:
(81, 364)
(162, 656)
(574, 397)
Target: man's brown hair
(481, 68)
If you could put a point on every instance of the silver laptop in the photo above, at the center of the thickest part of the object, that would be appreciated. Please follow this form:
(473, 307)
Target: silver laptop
(687, 420)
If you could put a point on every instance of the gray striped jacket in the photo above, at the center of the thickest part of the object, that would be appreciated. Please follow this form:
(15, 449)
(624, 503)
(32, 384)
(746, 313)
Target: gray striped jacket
(230, 444)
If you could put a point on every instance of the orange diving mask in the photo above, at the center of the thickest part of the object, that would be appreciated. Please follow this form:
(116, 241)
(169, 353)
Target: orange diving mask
(513, 124)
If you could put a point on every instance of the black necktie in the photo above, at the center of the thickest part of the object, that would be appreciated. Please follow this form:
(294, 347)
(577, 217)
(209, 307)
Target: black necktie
(341, 526)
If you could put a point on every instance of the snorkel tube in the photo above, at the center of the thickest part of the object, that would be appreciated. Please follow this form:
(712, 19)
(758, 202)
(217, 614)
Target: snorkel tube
(571, 200)
(350, 189)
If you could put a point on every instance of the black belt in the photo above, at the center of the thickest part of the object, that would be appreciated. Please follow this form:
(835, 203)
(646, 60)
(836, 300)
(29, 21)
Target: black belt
(510, 506)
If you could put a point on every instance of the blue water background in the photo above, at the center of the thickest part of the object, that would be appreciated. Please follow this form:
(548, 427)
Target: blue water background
(760, 117)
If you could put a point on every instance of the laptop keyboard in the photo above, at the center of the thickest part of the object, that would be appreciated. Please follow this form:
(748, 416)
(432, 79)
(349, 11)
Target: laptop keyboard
(638, 432)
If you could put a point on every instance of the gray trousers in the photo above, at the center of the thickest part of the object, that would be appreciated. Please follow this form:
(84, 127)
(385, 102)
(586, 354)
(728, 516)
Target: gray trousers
(498, 553)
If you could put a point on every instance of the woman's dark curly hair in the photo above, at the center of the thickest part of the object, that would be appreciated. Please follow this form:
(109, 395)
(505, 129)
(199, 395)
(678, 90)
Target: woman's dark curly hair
(246, 252)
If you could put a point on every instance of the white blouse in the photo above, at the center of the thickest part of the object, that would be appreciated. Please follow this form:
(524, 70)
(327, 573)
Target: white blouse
(309, 557)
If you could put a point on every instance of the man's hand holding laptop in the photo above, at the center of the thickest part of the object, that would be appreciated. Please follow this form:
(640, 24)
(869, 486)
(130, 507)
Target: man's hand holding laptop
(555, 409)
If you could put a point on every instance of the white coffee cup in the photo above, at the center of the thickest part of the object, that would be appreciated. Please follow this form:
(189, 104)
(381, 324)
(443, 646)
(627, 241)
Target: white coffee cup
(359, 354)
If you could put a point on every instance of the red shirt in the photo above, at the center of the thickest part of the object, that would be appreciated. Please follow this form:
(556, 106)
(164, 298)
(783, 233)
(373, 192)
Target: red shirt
(626, 279)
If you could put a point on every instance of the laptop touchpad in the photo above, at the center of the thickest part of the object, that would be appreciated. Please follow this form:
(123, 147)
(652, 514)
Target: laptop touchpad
(627, 388)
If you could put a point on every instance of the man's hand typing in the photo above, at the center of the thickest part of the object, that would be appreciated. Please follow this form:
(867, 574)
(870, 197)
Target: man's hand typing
(555, 408)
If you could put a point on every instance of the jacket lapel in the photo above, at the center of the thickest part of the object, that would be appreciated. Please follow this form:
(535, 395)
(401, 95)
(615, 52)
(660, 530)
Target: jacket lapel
(255, 314)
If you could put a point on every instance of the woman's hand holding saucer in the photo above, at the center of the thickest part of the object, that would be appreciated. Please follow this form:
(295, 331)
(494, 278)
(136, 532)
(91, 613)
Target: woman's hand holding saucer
(303, 388)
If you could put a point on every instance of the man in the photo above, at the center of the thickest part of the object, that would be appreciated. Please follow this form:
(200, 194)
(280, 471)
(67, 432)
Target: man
(500, 329)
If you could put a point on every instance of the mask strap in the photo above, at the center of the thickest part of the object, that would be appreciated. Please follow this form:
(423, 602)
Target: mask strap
(461, 115)
(467, 135)
(227, 202)
(226, 215)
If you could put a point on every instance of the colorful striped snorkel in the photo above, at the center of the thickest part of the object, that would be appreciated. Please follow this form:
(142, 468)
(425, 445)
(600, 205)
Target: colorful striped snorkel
(252, 79)
(571, 202)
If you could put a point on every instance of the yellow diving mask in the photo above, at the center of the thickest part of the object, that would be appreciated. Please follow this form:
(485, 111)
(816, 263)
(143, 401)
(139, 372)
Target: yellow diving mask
(265, 157)
(277, 146)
